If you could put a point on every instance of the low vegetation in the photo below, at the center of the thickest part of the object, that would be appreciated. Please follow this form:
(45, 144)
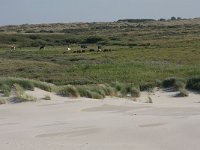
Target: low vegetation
(95, 91)
(136, 55)
(2, 101)
(182, 93)
(194, 83)
(19, 95)
(149, 100)
(47, 97)
(68, 91)
(6, 84)
(176, 83)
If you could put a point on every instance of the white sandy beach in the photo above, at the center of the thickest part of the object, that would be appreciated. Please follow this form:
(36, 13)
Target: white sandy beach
(169, 123)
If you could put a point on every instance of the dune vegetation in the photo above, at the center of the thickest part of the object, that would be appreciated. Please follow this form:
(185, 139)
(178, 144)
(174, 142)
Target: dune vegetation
(135, 55)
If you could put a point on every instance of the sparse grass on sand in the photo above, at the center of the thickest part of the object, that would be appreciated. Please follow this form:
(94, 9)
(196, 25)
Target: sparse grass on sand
(19, 95)
(47, 97)
(96, 91)
(7, 83)
(182, 93)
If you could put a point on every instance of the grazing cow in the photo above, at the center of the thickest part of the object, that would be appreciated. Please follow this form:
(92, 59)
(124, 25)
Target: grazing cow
(42, 47)
(91, 50)
(99, 48)
(83, 46)
(107, 50)
(67, 50)
(79, 51)
(12, 48)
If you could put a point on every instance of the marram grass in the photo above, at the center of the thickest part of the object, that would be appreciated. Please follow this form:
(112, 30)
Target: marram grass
(96, 91)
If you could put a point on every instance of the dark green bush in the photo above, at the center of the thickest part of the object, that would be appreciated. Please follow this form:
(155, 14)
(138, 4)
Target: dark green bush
(93, 40)
(193, 83)
(176, 83)
(169, 82)
(147, 86)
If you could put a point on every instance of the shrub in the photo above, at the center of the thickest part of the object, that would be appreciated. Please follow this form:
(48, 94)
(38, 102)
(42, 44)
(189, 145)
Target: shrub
(93, 40)
(169, 82)
(147, 86)
(118, 86)
(177, 83)
(123, 92)
(193, 83)
(135, 92)
(150, 85)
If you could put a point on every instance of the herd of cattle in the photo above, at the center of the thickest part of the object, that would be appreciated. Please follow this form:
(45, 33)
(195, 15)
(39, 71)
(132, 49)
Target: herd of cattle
(83, 49)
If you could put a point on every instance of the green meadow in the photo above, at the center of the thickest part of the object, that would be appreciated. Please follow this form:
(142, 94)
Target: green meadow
(140, 52)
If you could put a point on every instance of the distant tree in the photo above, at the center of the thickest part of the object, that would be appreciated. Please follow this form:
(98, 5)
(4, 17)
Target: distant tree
(162, 19)
(179, 18)
(173, 18)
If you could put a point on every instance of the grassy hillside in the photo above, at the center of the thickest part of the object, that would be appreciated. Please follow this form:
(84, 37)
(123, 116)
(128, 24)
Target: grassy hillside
(141, 51)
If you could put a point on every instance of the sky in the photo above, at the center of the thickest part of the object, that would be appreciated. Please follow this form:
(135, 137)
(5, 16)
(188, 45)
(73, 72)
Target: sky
(66, 11)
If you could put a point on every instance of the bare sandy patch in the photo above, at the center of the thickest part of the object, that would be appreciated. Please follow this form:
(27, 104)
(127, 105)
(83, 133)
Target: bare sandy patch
(110, 124)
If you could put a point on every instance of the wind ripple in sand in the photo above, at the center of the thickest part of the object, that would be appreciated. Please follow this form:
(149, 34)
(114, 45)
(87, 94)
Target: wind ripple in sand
(71, 133)
(53, 104)
(152, 125)
(53, 124)
(11, 123)
(112, 108)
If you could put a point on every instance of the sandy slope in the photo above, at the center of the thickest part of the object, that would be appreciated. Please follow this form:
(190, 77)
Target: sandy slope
(168, 123)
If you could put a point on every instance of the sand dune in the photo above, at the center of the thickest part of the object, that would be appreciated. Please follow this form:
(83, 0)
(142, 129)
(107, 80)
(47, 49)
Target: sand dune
(169, 123)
